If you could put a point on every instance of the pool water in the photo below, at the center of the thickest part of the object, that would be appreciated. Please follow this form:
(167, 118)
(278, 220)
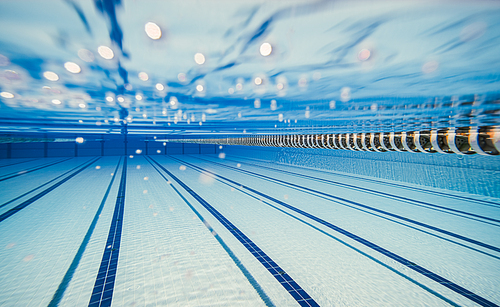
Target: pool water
(227, 153)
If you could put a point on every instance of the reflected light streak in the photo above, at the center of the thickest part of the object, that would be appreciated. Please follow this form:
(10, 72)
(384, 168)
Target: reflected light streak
(7, 95)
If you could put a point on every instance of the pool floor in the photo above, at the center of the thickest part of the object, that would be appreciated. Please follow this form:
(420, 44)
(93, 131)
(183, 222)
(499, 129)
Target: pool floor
(198, 230)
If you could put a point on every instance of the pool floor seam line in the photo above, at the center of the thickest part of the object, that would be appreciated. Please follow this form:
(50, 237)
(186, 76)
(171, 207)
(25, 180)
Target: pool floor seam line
(415, 267)
(235, 259)
(305, 298)
(409, 220)
(35, 168)
(18, 163)
(102, 293)
(377, 193)
(28, 202)
(59, 293)
(359, 177)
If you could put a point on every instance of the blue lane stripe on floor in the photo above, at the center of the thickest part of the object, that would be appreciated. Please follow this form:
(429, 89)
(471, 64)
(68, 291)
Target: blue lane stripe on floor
(452, 234)
(283, 278)
(378, 193)
(235, 259)
(29, 170)
(28, 202)
(40, 186)
(102, 294)
(58, 295)
(484, 202)
(441, 280)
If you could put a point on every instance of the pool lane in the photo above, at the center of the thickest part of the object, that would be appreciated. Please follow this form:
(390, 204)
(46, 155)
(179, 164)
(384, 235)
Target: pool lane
(359, 179)
(15, 163)
(350, 198)
(31, 169)
(294, 289)
(396, 257)
(43, 238)
(332, 273)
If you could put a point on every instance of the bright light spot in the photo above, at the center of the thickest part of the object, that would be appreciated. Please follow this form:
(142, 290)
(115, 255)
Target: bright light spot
(222, 155)
(56, 101)
(220, 147)
(238, 165)
(128, 86)
(280, 117)
(72, 67)
(144, 115)
(98, 109)
(256, 103)
(308, 113)
(316, 76)
(203, 117)
(374, 107)
(345, 94)
(79, 140)
(86, 55)
(206, 178)
(82, 105)
(51, 76)
(145, 192)
(28, 258)
(173, 100)
(80, 121)
(285, 197)
(280, 86)
(181, 77)
(143, 76)
(239, 86)
(199, 58)
(265, 49)
(120, 99)
(7, 95)
(199, 88)
(160, 86)
(138, 167)
(302, 82)
(230, 90)
(274, 105)
(258, 80)
(152, 30)
(97, 167)
(239, 114)
(182, 168)
(211, 111)
(105, 52)
(109, 99)
(164, 143)
(364, 55)
(146, 178)
(158, 151)
(332, 104)
(473, 31)
(430, 66)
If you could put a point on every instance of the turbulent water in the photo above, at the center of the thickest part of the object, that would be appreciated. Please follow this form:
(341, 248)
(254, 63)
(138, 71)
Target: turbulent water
(327, 65)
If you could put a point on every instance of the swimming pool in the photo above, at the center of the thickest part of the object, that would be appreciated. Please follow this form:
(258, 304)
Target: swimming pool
(249, 154)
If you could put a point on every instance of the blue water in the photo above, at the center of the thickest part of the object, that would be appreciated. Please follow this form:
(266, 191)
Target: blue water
(101, 204)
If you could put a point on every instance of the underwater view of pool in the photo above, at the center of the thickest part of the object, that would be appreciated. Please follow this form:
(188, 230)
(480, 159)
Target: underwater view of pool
(249, 153)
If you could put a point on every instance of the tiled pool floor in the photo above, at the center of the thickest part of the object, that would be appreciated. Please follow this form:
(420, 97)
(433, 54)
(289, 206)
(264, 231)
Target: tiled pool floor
(203, 231)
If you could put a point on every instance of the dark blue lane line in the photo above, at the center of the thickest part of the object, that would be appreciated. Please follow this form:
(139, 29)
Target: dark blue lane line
(283, 278)
(28, 202)
(63, 285)
(382, 194)
(102, 294)
(478, 243)
(39, 187)
(480, 201)
(235, 259)
(237, 187)
(441, 280)
(17, 163)
(29, 170)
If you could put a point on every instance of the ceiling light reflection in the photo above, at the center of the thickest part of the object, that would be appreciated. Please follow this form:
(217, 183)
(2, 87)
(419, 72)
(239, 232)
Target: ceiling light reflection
(152, 30)
(199, 58)
(72, 67)
(51, 76)
(106, 52)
